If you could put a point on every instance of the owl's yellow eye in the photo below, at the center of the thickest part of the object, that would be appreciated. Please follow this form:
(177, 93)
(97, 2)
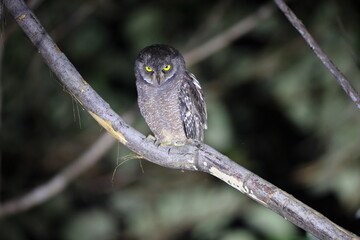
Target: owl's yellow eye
(148, 69)
(167, 68)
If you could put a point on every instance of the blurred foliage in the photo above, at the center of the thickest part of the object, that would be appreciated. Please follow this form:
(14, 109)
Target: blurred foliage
(272, 107)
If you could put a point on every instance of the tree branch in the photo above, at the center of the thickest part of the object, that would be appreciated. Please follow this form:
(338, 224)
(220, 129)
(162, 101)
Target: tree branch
(220, 41)
(55, 185)
(342, 80)
(194, 158)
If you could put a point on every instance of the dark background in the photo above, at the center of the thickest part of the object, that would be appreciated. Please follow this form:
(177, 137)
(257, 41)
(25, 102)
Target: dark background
(272, 107)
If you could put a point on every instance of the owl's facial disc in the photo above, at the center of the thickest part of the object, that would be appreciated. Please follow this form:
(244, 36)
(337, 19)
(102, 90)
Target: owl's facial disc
(158, 64)
(157, 74)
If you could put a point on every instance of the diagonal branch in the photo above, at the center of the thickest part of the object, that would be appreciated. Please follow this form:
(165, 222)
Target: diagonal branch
(194, 158)
(60, 181)
(342, 80)
(220, 41)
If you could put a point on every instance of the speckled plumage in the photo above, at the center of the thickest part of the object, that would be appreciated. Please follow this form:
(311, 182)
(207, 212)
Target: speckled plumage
(171, 101)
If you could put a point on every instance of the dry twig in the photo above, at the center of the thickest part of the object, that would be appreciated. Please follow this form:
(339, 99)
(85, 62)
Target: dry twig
(57, 184)
(220, 41)
(344, 83)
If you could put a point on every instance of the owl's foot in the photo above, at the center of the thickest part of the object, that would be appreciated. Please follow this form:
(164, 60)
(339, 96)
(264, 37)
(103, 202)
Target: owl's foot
(182, 147)
(154, 140)
(151, 138)
(158, 143)
(187, 142)
(191, 142)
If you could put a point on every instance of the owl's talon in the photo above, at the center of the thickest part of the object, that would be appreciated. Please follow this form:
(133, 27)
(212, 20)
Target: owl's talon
(193, 142)
(151, 138)
(154, 140)
(158, 143)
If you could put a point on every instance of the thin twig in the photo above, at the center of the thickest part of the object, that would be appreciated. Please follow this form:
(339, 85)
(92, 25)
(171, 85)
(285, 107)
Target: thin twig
(81, 13)
(193, 158)
(55, 185)
(225, 38)
(342, 80)
(212, 21)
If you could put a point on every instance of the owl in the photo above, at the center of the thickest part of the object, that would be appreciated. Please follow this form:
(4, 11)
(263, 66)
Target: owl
(169, 97)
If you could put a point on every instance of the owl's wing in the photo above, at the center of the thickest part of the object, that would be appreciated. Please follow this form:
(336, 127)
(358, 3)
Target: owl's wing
(192, 107)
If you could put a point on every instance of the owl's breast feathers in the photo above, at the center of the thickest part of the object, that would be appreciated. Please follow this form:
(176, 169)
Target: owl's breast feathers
(159, 105)
(174, 111)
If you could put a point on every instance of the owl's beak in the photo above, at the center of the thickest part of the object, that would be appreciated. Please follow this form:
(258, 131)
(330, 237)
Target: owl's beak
(159, 77)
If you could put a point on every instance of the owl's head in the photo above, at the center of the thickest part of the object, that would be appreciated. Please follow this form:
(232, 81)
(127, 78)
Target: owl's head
(156, 64)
